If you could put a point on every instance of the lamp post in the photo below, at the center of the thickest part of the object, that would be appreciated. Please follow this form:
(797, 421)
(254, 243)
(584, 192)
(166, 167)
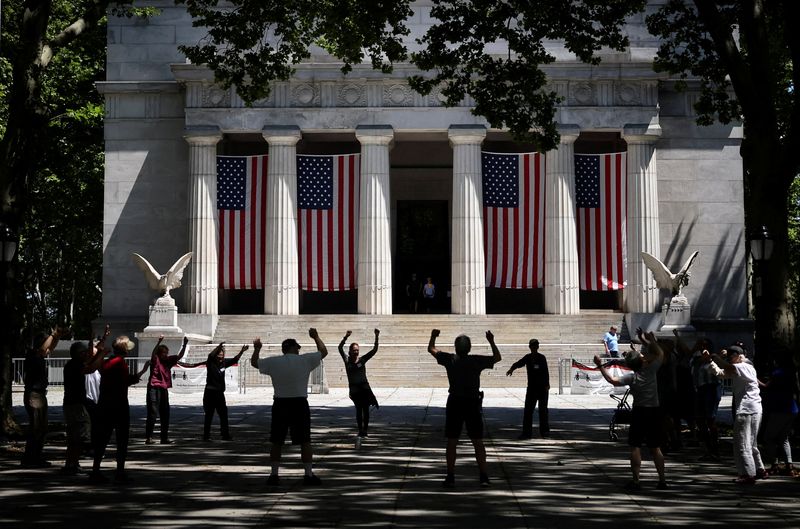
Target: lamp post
(761, 248)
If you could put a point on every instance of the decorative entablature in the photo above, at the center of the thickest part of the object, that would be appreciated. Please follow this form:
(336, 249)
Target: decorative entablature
(320, 89)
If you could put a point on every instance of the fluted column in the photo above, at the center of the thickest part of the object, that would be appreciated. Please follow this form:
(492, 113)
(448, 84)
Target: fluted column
(468, 268)
(561, 276)
(281, 288)
(374, 227)
(641, 292)
(203, 270)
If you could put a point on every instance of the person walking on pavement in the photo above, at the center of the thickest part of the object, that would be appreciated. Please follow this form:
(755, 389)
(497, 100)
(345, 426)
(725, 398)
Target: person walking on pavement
(645, 425)
(465, 399)
(611, 342)
(360, 391)
(158, 384)
(538, 390)
(290, 411)
(214, 392)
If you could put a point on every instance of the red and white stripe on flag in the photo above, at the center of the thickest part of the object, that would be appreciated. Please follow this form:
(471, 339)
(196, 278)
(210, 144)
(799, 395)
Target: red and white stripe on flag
(327, 217)
(242, 215)
(513, 219)
(601, 198)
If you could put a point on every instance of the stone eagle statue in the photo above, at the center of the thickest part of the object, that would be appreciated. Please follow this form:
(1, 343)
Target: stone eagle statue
(163, 283)
(666, 279)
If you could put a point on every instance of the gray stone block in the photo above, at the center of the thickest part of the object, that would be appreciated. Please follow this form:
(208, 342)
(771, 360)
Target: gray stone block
(151, 34)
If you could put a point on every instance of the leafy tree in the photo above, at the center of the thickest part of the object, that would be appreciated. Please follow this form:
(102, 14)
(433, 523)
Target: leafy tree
(51, 166)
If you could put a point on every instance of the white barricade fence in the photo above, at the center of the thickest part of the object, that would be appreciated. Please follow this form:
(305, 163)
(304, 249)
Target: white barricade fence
(193, 379)
(586, 378)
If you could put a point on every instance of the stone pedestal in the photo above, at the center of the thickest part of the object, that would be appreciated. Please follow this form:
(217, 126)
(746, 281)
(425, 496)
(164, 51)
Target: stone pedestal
(468, 269)
(677, 314)
(163, 321)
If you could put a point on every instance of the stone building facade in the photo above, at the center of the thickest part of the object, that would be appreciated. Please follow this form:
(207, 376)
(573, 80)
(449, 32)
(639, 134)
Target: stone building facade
(166, 121)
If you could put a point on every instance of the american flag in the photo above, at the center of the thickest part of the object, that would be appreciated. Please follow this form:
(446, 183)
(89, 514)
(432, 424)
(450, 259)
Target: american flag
(241, 209)
(327, 215)
(513, 213)
(600, 188)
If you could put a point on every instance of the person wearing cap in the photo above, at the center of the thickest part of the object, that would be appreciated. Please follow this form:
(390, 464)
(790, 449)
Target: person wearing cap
(113, 409)
(290, 412)
(464, 399)
(84, 359)
(646, 423)
(747, 413)
(158, 384)
(214, 392)
(611, 342)
(538, 390)
(360, 391)
(35, 396)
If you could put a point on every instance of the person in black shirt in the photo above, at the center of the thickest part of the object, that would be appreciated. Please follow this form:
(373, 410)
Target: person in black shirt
(35, 396)
(360, 391)
(214, 394)
(465, 399)
(538, 390)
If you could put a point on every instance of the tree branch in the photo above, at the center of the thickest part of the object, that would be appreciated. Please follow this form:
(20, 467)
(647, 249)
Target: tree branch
(94, 12)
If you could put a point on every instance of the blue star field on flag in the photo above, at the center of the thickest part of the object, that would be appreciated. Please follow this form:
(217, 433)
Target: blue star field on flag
(500, 180)
(231, 183)
(587, 181)
(315, 182)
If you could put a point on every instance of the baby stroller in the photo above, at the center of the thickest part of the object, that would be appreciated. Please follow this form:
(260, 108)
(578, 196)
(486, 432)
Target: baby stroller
(622, 414)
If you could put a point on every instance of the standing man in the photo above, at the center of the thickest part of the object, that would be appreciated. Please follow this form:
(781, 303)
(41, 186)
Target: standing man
(35, 396)
(290, 412)
(611, 342)
(645, 417)
(538, 390)
(465, 399)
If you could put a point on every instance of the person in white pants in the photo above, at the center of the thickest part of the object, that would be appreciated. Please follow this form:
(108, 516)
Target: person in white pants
(747, 414)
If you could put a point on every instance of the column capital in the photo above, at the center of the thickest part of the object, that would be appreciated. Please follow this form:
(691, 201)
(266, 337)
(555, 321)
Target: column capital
(466, 134)
(641, 133)
(569, 133)
(282, 134)
(202, 135)
(375, 134)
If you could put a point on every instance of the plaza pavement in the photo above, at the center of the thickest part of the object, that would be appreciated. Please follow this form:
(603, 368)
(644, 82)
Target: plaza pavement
(573, 479)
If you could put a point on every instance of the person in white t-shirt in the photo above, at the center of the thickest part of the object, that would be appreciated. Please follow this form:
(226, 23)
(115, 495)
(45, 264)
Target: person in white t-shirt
(747, 414)
(290, 412)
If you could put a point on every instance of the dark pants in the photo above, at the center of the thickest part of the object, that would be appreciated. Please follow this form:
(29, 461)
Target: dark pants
(157, 406)
(36, 407)
(532, 396)
(214, 400)
(111, 417)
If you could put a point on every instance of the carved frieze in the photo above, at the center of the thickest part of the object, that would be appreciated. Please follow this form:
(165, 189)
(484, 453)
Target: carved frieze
(581, 94)
(216, 97)
(628, 94)
(305, 95)
(398, 95)
(351, 95)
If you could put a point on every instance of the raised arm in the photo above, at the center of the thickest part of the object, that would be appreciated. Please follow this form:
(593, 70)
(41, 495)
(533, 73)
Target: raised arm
(495, 351)
(680, 345)
(432, 343)
(723, 364)
(341, 345)
(96, 360)
(256, 352)
(236, 358)
(51, 341)
(155, 347)
(183, 348)
(653, 347)
(312, 332)
(374, 349)
(603, 371)
(190, 365)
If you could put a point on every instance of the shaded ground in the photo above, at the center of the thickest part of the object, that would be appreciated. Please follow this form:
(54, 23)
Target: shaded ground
(573, 479)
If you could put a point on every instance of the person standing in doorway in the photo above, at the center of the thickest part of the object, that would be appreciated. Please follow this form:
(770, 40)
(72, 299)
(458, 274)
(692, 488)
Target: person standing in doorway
(413, 290)
(428, 294)
(538, 390)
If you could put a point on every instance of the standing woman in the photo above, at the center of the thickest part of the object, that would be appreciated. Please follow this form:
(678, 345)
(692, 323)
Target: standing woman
(158, 384)
(360, 392)
(214, 394)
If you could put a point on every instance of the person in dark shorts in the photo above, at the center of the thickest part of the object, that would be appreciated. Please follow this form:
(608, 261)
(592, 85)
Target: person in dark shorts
(360, 391)
(290, 412)
(465, 399)
(538, 390)
(646, 423)
(214, 392)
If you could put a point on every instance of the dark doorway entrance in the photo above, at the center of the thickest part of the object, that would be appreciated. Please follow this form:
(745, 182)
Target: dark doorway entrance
(423, 248)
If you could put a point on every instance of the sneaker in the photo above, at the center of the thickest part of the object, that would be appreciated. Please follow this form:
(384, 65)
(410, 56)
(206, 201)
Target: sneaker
(273, 479)
(97, 478)
(311, 480)
(745, 480)
(633, 486)
(762, 474)
(149, 441)
(484, 480)
(662, 485)
(449, 481)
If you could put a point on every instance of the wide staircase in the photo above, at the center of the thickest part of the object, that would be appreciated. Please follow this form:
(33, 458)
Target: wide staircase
(402, 358)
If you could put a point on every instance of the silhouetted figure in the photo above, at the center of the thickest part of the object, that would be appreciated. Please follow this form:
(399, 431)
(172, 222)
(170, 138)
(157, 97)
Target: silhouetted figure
(538, 390)
(158, 384)
(360, 391)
